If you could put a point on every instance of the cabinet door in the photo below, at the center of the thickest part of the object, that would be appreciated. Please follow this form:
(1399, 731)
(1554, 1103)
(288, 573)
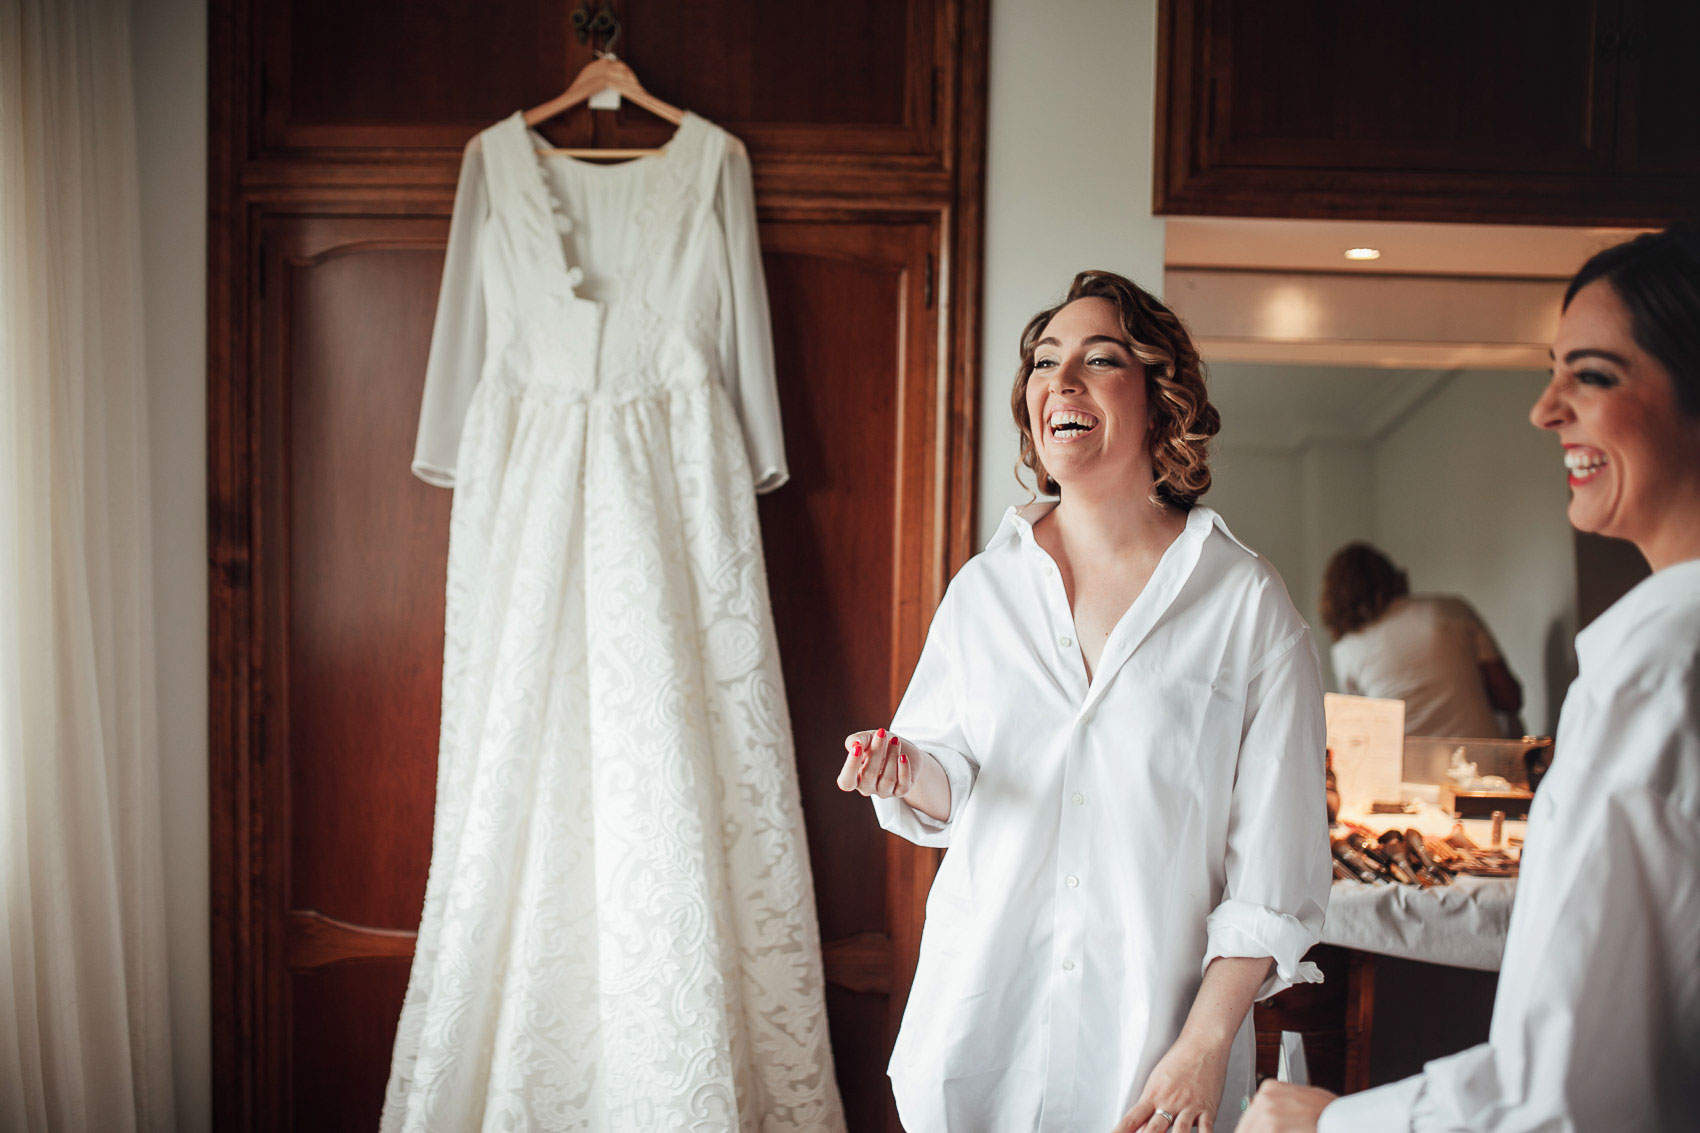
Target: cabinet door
(821, 76)
(1659, 125)
(1444, 87)
(330, 803)
(349, 553)
(1516, 111)
(856, 547)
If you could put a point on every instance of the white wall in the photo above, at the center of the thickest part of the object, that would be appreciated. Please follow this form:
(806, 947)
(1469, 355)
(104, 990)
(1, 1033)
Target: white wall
(1071, 118)
(1293, 506)
(170, 56)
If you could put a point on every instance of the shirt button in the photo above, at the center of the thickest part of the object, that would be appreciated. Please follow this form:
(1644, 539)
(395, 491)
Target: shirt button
(1078, 799)
(1073, 881)
(1065, 642)
(1049, 570)
(1068, 965)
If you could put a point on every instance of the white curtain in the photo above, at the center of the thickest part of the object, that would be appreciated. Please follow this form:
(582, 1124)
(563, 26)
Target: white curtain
(84, 1032)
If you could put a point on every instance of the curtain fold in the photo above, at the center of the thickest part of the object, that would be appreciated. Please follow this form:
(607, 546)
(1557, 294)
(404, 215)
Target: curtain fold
(84, 1024)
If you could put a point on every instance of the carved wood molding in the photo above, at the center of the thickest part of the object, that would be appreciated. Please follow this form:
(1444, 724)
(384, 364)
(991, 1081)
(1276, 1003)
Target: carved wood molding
(313, 940)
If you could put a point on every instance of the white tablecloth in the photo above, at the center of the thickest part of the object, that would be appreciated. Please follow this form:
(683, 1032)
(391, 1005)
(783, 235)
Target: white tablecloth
(1462, 924)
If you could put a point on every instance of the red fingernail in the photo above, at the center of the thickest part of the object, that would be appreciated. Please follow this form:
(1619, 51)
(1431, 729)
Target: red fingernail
(880, 733)
(901, 758)
(856, 748)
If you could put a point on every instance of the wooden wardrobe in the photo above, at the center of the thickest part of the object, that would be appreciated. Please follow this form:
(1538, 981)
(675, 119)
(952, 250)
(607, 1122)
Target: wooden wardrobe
(336, 132)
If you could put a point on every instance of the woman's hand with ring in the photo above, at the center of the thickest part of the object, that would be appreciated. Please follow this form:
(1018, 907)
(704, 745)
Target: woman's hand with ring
(878, 763)
(1186, 1085)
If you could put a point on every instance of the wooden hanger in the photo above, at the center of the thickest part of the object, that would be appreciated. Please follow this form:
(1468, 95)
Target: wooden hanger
(605, 72)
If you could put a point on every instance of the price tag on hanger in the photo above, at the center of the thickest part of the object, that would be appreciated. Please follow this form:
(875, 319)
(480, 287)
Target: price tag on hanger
(608, 99)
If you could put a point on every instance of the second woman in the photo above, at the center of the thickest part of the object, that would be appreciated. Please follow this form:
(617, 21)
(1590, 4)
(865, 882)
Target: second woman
(1116, 726)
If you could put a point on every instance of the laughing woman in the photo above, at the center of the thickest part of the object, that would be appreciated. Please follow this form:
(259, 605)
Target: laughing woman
(1116, 727)
(1596, 1024)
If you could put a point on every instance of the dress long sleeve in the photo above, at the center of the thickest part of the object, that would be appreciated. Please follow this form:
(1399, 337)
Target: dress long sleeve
(457, 338)
(746, 335)
(1277, 864)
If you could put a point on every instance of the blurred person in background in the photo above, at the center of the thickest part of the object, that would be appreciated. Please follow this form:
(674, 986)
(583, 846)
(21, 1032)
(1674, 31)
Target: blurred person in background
(1432, 651)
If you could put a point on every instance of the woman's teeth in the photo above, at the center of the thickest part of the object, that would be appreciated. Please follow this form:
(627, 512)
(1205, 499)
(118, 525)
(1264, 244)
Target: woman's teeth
(1584, 465)
(1067, 424)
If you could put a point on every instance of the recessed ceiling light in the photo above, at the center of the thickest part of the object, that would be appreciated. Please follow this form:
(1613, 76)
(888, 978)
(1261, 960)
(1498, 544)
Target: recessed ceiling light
(1363, 253)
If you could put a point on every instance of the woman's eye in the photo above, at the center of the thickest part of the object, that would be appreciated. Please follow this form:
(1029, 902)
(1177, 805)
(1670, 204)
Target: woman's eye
(1044, 363)
(1598, 378)
(1104, 360)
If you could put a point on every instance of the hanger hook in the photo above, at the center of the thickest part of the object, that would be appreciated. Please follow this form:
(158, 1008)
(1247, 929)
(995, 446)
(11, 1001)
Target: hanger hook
(606, 23)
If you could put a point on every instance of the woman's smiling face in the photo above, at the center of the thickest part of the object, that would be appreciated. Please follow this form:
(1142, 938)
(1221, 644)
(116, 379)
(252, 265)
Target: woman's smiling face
(1086, 401)
(1628, 446)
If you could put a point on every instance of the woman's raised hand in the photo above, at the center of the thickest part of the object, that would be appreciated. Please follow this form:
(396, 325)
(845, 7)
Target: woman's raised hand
(878, 763)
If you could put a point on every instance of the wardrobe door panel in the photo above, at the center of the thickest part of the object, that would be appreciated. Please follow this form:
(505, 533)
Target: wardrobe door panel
(858, 526)
(367, 544)
(818, 75)
(349, 556)
(334, 138)
(376, 73)
(341, 1032)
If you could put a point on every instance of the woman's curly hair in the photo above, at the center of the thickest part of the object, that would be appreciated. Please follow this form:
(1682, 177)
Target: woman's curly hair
(1358, 585)
(1182, 418)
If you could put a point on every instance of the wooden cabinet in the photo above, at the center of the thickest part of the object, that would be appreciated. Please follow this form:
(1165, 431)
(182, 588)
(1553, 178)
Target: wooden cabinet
(336, 134)
(1519, 111)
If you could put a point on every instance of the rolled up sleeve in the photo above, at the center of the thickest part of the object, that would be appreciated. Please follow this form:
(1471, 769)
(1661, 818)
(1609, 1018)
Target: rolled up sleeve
(1276, 875)
(930, 717)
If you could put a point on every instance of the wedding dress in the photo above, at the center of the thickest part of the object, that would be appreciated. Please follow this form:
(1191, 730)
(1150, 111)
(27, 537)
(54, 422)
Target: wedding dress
(619, 928)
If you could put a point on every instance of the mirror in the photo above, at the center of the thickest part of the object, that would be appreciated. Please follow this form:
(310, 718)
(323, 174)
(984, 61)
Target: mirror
(1440, 469)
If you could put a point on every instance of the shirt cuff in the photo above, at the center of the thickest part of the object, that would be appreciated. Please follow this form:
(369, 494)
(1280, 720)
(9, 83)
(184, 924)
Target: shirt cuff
(905, 821)
(1385, 1109)
(1242, 928)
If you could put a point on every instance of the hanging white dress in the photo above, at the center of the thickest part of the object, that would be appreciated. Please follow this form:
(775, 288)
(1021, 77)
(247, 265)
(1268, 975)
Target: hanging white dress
(619, 929)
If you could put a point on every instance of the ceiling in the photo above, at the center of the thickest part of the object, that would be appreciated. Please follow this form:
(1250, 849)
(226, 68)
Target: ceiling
(1429, 249)
(1281, 407)
(1368, 355)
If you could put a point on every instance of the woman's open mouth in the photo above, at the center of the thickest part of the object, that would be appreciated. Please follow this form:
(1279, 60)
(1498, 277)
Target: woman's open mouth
(1584, 463)
(1070, 425)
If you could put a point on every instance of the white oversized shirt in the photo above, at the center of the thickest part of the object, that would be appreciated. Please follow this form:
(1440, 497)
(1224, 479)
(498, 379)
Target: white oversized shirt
(1108, 838)
(1596, 1024)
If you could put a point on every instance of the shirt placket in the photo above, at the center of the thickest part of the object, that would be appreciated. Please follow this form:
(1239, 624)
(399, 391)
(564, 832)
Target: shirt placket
(1072, 880)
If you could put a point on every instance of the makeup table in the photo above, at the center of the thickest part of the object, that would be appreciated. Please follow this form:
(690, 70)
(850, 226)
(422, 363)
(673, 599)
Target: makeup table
(1422, 946)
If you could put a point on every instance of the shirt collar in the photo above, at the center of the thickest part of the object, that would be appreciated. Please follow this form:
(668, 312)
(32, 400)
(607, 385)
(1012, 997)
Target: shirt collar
(1017, 525)
(1676, 585)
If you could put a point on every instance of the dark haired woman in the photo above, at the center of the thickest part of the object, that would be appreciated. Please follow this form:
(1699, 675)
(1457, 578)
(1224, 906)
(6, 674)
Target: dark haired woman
(1596, 1024)
(1430, 650)
(1116, 726)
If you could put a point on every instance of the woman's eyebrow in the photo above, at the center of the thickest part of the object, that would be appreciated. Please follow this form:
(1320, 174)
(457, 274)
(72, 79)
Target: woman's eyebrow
(1095, 339)
(1593, 352)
